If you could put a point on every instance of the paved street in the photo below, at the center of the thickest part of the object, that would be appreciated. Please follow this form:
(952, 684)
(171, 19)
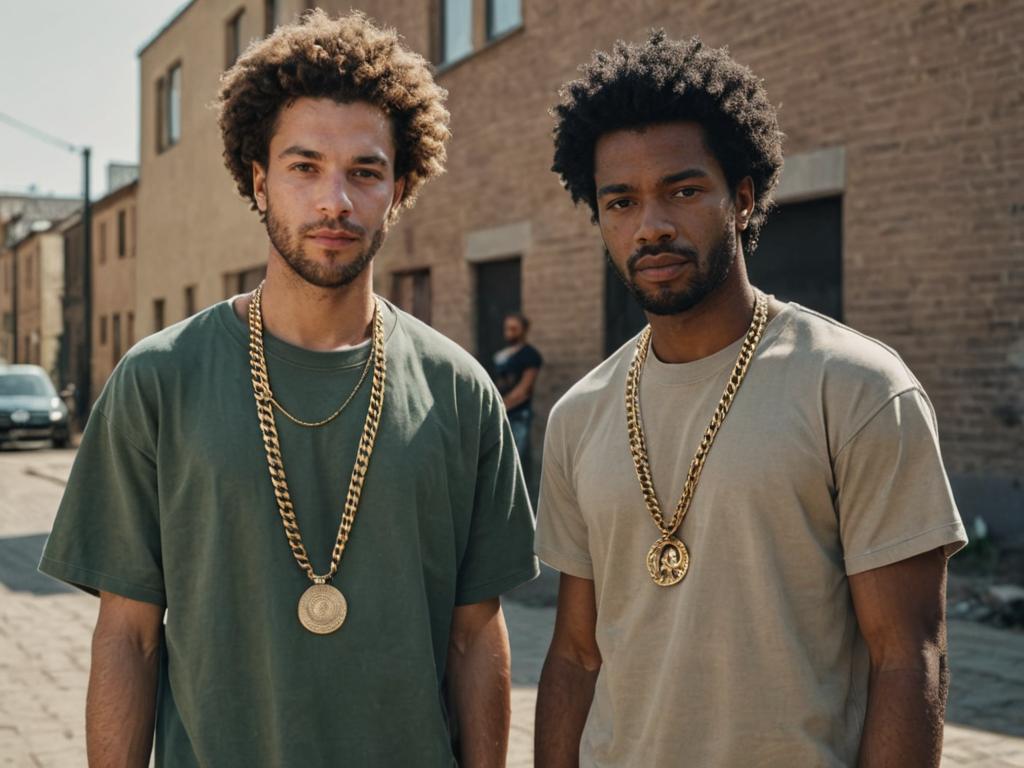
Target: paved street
(45, 629)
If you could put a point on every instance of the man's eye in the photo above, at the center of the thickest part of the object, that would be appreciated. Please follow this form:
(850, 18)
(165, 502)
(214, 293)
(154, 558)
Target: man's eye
(303, 167)
(618, 205)
(364, 173)
(687, 192)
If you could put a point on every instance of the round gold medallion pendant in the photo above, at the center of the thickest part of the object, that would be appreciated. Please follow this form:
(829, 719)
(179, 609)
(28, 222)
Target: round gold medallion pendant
(322, 609)
(668, 561)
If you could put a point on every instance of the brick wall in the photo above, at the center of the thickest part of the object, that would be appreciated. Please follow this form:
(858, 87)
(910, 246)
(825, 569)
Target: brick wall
(922, 96)
(925, 99)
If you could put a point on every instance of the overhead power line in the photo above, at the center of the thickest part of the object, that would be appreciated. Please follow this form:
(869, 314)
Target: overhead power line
(41, 135)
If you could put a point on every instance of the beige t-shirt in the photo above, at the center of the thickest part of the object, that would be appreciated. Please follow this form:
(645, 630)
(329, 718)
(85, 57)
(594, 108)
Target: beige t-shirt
(827, 465)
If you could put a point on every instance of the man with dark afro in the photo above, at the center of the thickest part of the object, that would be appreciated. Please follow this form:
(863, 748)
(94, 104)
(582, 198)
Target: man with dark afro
(746, 502)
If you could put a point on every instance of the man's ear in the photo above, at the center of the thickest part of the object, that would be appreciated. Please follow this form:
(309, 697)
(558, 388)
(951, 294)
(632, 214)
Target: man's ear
(744, 202)
(259, 186)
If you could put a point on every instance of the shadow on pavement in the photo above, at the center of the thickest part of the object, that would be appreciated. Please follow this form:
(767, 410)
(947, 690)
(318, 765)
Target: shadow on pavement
(19, 558)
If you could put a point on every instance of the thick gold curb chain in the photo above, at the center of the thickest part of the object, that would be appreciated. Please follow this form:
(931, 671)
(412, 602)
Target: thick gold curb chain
(275, 463)
(634, 420)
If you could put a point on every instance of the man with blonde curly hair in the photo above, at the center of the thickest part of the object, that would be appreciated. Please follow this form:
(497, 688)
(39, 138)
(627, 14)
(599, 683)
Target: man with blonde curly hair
(300, 507)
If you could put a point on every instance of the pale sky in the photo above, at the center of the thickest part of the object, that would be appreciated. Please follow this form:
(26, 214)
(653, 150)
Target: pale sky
(69, 68)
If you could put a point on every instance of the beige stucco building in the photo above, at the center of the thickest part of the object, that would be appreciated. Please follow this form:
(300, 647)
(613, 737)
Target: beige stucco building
(201, 242)
(114, 238)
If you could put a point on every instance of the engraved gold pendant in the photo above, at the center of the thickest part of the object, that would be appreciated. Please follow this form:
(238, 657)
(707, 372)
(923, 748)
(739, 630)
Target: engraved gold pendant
(668, 561)
(322, 609)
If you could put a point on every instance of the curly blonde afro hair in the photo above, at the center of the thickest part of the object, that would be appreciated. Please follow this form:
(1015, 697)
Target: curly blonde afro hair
(346, 59)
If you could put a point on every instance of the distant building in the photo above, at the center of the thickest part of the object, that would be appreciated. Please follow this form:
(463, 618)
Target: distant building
(114, 238)
(20, 216)
(74, 366)
(896, 211)
(39, 285)
(120, 175)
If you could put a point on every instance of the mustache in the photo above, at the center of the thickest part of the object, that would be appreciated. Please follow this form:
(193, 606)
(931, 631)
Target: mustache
(653, 249)
(335, 225)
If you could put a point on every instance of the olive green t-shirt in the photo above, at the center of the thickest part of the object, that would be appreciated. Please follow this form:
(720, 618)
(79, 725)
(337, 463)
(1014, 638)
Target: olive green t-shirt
(170, 502)
(827, 465)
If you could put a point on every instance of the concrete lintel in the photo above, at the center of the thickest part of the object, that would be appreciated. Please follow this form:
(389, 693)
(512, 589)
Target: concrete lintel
(498, 242)
(809, 175)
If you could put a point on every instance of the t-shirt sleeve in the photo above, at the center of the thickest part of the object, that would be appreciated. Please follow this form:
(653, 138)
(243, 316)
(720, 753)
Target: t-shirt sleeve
(893, 497)
(531, 358)
(561, 530)
(499, 554)
(106, 536)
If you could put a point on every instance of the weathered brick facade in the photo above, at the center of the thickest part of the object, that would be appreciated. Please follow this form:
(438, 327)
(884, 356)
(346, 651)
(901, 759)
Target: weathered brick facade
(918, 104)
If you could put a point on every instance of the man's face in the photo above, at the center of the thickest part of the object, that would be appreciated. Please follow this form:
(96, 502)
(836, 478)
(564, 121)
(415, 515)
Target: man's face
(328, 188)
(513, 330)
(669, 221)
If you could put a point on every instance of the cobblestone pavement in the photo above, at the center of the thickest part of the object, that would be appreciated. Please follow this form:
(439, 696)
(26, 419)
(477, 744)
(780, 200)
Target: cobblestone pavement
(45, 631)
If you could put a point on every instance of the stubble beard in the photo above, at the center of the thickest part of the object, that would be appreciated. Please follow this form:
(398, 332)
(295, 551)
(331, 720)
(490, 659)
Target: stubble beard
(294, 254)
(711, 272)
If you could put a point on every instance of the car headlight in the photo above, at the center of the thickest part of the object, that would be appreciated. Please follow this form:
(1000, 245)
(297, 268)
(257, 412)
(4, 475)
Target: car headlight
(56, 415)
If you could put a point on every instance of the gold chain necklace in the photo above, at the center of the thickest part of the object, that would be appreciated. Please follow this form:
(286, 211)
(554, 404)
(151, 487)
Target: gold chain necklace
(668, 559)
(322, 607)
(337, 413)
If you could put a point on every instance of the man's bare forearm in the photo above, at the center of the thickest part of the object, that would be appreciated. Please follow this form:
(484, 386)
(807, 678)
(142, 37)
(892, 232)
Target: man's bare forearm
(121, 704)
(479, 679)
(564, 696)
(906, 708)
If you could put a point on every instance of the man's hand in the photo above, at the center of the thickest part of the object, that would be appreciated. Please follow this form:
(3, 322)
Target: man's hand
(479, 682)
(567, 682)
(120, 708)
(901, 609)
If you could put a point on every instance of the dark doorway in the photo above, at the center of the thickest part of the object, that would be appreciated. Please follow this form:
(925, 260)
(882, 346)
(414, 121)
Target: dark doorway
(800, 255)
(497, 294)
(623, 317)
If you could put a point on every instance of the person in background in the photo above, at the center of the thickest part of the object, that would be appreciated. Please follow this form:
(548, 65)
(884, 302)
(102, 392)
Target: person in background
(515, 373)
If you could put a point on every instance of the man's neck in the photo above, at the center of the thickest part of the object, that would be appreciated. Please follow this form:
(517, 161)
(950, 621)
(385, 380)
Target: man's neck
(314, 318)
(718, 321)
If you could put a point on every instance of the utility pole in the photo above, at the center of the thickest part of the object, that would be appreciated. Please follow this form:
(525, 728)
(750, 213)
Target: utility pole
(86, 153)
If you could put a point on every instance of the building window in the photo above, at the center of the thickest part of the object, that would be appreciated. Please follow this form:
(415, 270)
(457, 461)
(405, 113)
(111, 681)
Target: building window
(103, 330)
(233, 43)
(190, 300)
(158, 314)
(456, 30)
(269, 16)
(122, 233)
(411, 292)
(243, 282)
(134, 234)
(168, 91)
(103, 242)
(28, 273)
(503, 16)
(129, 329)
(116, 333)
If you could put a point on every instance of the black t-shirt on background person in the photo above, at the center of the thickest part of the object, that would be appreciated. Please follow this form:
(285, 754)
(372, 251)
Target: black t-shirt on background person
(509, 366)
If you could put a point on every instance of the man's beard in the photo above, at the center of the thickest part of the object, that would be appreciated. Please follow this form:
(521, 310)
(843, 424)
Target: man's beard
(711, 272)
(323, 276)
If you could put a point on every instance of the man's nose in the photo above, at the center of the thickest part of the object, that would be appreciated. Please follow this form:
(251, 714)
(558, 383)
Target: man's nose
(655, 226)
(334, 201)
